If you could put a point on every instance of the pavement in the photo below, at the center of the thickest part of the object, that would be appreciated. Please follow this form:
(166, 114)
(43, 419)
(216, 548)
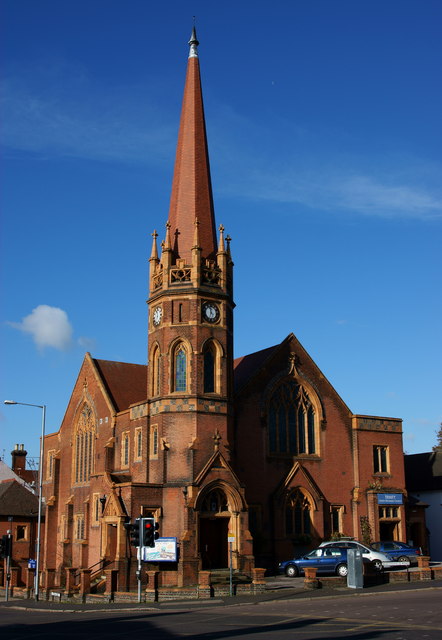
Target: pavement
(278, 588)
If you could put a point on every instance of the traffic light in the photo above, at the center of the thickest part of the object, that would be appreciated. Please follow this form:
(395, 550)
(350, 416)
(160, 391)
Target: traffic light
(149, 529)
(133, 530)
(6, 546)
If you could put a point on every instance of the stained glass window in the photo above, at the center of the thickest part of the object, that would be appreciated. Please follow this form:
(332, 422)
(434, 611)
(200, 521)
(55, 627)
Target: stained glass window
(180, 369)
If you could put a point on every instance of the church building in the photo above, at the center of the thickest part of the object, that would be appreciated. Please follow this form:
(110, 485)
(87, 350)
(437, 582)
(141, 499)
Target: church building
(260, 453)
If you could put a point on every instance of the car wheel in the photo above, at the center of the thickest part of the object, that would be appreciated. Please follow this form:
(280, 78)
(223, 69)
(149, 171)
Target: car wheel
(378, 566)
(404, 559)
(342, 570)
(291, 571)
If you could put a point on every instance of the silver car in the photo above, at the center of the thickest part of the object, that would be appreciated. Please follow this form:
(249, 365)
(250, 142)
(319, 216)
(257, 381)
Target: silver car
(379, 560)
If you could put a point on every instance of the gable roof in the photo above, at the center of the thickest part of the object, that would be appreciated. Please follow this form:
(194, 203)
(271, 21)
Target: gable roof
(423, 471)
(249, 366)
(125, 383)
(246, 366)
(16, 500)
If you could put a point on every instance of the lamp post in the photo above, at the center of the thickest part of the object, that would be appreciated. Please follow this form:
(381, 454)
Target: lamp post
(40, 488)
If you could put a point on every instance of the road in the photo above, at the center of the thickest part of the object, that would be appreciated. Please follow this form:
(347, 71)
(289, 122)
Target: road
(406, 615)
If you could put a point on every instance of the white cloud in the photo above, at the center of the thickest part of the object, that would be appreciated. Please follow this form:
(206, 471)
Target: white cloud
(48, 326)
(258, 163)
(366, 195)
(344, 191)
(86, 343)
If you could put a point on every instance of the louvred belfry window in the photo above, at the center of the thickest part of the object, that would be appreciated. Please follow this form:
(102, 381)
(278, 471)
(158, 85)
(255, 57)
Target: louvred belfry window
(291, 421)
(209, 368)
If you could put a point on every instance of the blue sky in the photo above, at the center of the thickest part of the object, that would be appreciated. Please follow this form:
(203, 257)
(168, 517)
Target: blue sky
(325, 140)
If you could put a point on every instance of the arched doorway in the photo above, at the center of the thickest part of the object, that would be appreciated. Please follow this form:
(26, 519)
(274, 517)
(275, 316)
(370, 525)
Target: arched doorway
(214, 518)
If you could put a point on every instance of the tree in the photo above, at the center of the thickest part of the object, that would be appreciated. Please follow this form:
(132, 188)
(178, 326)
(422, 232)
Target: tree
(438, 446)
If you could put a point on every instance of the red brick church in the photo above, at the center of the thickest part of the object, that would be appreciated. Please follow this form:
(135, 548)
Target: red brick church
(260, 451)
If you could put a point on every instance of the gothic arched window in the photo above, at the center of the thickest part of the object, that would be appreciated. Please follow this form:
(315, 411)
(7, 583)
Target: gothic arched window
(84, 441)
(180, 368)
(297, 514)
(209, 356)
(291, 421)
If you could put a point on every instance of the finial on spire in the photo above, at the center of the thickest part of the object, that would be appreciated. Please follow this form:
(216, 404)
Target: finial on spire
(193, 53)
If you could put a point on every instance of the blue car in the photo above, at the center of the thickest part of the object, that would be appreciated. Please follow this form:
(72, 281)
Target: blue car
(398, 551)
(324, 559)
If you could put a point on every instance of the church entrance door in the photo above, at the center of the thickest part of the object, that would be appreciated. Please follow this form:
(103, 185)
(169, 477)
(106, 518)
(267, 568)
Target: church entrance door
(213, 543)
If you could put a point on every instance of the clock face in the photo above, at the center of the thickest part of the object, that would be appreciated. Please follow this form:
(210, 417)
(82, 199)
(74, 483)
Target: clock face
(157, 315)
(210, 312)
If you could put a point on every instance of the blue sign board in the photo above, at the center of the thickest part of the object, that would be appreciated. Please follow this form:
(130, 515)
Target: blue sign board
(165, 550)
(32, 564)
(390, 498)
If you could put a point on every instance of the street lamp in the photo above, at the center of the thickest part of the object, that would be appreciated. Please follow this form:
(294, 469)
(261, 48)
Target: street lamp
(40, 487)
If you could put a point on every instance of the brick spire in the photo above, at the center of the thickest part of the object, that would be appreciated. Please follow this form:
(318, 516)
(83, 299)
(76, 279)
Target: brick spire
(191, 196)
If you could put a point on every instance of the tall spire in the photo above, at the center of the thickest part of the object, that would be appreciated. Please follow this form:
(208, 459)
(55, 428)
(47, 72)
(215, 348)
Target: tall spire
(191, 196)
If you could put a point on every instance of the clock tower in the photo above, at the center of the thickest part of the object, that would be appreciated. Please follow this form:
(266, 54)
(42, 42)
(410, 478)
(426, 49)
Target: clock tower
(190, 346)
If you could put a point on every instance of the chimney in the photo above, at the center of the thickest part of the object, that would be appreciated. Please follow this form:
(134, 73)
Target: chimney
(19, 458)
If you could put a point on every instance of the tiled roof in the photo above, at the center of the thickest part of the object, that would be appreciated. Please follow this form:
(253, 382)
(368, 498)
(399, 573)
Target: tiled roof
(246, 366)
(126, 383)
(16, 500)
(423, 471)
(6, 473)
(191, 196)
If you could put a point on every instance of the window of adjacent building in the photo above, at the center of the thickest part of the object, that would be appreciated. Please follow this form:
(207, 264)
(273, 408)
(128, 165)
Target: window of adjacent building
(336, 518)
(21, 532)
(297, 514)
(151, 512)
(84, 443)
(154, 441)
(291, 421)
(209, 368)
(380, 459)
(125, 440)
(388, 513)
(79, 528)
(180, 368)
(156, 372)
(138, 443)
